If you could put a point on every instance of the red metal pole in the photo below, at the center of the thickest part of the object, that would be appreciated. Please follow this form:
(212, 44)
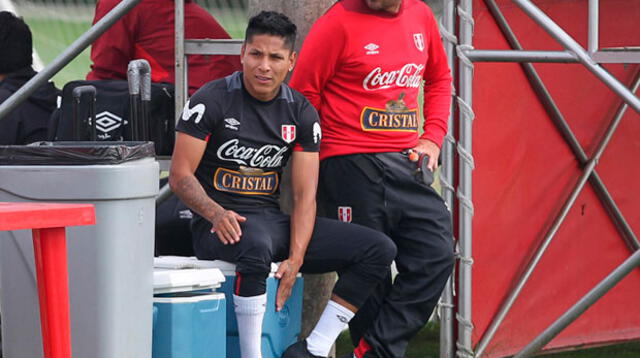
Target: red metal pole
(50, 250)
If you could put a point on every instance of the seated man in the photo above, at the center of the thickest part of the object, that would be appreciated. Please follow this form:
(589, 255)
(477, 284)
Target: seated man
(234, 138)
(147, 32)
(28, 122)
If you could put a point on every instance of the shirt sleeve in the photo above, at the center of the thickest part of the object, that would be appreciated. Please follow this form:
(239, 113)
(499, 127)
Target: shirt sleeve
(437, 87)
(200, 114)
(309, 132)
(112, 51)
(318, 59)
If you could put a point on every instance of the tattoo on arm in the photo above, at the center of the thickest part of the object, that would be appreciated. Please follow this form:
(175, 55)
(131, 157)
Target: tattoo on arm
(192, 193)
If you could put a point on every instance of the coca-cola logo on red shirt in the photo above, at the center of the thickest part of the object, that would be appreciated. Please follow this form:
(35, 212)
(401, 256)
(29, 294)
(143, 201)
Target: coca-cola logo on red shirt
(410, 75)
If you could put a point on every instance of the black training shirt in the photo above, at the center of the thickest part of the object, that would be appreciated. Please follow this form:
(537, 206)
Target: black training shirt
(248, 141)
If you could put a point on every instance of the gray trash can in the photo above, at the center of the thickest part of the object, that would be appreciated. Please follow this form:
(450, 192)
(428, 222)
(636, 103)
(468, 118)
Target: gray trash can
(110, 264)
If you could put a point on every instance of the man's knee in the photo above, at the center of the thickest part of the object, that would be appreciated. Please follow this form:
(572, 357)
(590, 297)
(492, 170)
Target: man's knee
(255, 252)
(442, 255)
(251, 276)
(430, 258)
(253, 265)
(447, 252)
(385, 248)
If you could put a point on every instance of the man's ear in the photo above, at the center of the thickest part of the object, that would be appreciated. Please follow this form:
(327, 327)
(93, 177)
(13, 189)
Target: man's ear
(242, 49)
(292, 60)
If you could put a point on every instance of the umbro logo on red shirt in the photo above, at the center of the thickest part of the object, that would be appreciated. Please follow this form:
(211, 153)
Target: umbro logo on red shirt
(372, 49)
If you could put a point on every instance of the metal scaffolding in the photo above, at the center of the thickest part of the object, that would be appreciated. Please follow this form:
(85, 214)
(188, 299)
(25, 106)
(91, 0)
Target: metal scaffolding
(466, 55)
(447, 314)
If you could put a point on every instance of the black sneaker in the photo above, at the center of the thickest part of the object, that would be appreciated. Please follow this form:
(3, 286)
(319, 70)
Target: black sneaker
(299, 350)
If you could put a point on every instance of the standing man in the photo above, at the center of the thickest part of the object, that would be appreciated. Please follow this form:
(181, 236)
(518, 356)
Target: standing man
(235, 136)
(361, 66)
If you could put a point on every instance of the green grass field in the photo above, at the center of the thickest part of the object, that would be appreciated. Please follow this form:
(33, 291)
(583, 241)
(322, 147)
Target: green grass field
(52, 37)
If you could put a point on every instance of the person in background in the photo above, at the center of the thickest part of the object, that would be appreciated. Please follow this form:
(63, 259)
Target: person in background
(362, 66)
(147, 32)
(28, 122)
(234, 138)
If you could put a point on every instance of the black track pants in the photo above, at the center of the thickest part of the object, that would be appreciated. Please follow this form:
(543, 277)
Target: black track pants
(358, 254)
(381, 191)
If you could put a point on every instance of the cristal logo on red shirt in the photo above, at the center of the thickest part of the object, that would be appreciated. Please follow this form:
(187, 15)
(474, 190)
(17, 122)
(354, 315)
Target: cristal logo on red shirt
(267, 156)
(410, 75)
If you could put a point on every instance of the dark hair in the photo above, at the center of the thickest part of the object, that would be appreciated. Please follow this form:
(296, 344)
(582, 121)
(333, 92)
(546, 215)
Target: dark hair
(272, 23)
(15, 43)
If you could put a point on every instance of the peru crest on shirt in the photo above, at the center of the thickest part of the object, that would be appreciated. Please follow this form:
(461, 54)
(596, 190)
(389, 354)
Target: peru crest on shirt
(288, 132)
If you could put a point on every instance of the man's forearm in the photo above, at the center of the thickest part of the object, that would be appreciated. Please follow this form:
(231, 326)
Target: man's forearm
(191, 192)
(302, 222)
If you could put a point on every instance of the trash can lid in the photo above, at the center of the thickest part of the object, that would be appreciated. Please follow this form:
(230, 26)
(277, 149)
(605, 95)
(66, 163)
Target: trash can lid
(75, 153)
(168, 280)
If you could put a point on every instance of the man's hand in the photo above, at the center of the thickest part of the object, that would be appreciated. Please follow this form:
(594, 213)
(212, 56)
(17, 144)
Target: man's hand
(286, 273)
(431, 149)
(226, 223)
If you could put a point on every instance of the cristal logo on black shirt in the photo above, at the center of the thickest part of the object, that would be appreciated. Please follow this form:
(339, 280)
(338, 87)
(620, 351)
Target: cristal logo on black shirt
(248, 183)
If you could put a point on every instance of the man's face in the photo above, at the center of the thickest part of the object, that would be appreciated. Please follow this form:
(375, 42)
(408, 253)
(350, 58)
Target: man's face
(391, 6)
(265, 63)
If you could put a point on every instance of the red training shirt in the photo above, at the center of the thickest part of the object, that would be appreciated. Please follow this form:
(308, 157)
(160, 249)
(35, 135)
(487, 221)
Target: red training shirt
(147, 32)
(362, 71)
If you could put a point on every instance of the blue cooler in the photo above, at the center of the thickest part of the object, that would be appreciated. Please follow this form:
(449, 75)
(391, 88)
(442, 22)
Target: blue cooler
(189, 319)
(279, 329)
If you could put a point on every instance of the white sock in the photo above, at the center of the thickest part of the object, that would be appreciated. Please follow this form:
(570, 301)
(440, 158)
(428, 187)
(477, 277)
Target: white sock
(249, 314)
(334, 320)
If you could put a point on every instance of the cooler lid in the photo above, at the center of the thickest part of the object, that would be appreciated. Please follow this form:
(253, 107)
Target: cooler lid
(189, 297)
(180, 262)
(171, 280)
(229, 269)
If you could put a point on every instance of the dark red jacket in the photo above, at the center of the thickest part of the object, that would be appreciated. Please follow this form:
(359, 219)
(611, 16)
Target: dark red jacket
(147, 32)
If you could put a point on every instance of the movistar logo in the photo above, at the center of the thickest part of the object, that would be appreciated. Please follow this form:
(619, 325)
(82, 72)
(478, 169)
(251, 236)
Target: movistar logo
(198, 109)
